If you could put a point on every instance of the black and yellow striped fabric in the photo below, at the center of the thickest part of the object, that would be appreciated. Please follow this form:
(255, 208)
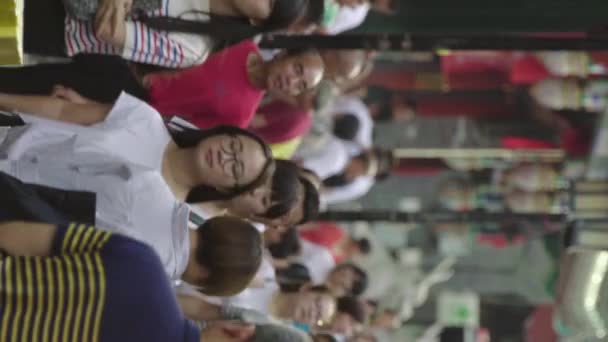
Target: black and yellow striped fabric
(58, 298)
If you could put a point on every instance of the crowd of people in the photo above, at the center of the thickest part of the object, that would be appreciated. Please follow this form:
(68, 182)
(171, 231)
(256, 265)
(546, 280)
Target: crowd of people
(160, 181)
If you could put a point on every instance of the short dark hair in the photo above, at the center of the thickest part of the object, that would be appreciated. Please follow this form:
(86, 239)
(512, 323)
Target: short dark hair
(285, 13)
(353, 307)
(361, 281)
(364, 245)
(346, 126)
(315, 11)
(231, 250)
(311, 201)
(285, 189)
(289, 245)
(293, 278)
(189, 138)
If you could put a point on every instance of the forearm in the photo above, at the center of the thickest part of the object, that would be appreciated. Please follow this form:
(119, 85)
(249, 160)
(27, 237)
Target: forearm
(44, 106)
(197, 309)
(53, 108)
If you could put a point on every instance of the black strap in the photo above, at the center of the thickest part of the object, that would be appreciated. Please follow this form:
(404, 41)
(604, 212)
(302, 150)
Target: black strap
(221, 29)
(32, 202)
(10, 119)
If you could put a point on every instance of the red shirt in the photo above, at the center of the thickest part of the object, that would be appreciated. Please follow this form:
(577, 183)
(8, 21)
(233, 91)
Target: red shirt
(217, 92)
(326, 234)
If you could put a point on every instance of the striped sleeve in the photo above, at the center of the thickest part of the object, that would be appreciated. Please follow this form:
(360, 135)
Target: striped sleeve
(79, 238)
(173, 50)
(80, 38)
(59, 298)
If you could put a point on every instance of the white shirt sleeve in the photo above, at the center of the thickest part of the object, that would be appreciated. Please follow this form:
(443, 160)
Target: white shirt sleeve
(348, 18)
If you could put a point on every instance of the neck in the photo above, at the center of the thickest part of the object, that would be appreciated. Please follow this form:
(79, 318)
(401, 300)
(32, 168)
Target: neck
(216, 208)
(257, 71)
(279, 305)
(179, 170)
(190, 271)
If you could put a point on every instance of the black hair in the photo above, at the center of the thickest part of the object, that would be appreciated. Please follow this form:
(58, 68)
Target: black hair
(190, 138)
(336, 180)
(315, 12)
(285, 189)
(353, 307)
(293, 278)
(364, 245)
(226, 30)
(311, 201)
(286, 12)
(289, 245)
(346, 126)
(361, 281)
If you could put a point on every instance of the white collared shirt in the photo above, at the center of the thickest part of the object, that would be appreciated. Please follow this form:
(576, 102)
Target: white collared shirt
(348, 18)
(120, 161)
(329, 160)
(348, 192)
(317, 259)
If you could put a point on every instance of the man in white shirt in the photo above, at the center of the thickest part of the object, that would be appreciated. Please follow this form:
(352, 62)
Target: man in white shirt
(357, 178)
(355, 107)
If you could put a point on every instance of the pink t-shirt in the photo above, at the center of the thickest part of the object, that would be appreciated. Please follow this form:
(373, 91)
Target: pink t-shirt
(283, 122)
(217, 92)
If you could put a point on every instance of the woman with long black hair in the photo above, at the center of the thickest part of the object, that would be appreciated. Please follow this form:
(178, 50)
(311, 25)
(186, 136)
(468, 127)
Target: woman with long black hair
(142, 173)
(179, 34)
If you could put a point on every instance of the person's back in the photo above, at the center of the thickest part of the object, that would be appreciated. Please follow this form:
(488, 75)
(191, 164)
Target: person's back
(90, 285)
(217, 92)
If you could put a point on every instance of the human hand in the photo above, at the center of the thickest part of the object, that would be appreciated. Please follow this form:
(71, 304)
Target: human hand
(110, 21)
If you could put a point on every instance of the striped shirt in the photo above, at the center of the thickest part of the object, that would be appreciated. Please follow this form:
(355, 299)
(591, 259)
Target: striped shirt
(146, 45)
(84, 292)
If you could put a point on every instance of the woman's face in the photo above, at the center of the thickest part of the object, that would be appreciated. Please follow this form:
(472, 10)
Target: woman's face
(311, 308)
(341, 281)
(254, 203)
(229, 161)
(290, 76)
